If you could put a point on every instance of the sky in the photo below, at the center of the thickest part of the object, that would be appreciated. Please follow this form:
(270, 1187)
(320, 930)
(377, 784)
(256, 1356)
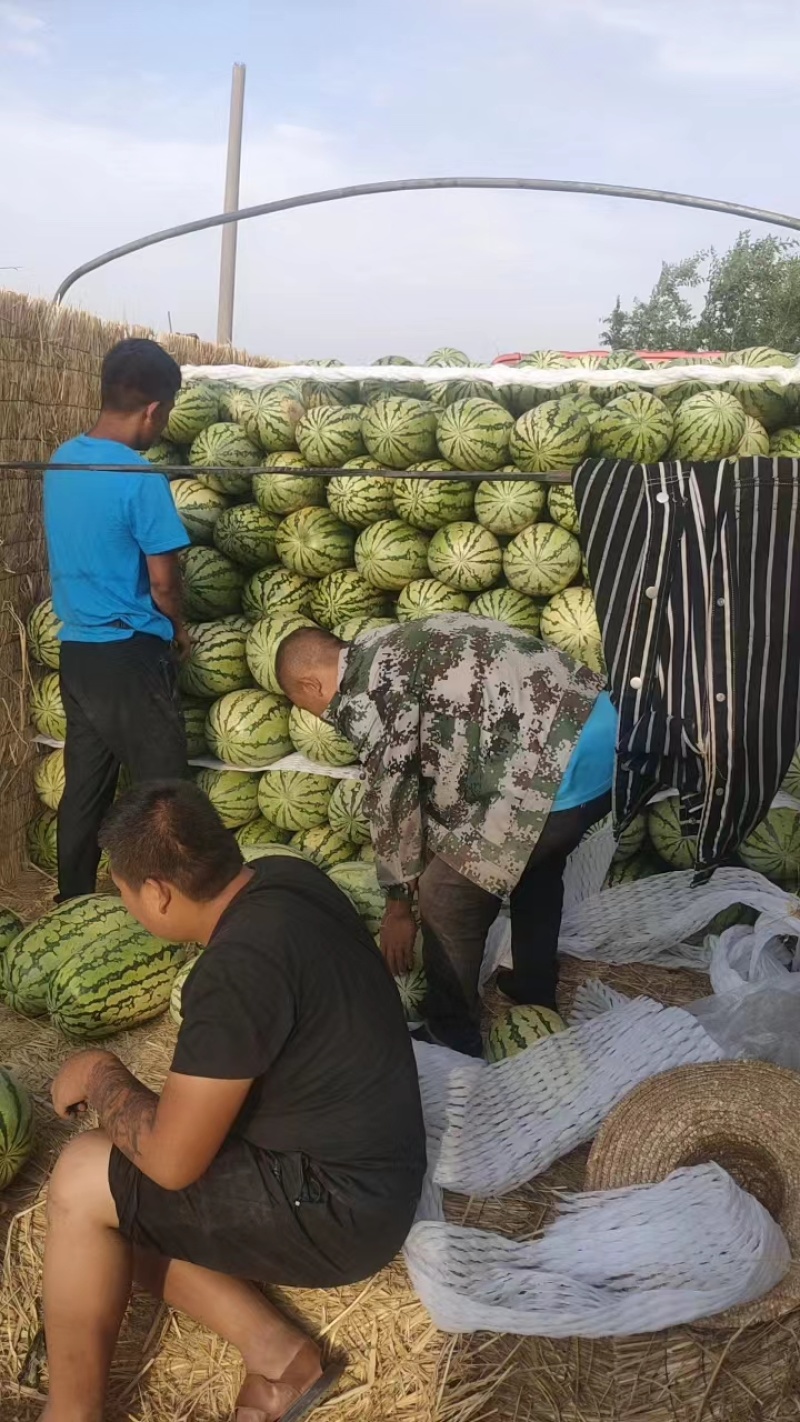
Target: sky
(113, 123)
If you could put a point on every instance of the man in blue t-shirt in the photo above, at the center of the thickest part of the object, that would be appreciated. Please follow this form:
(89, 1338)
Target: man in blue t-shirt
(113, 536)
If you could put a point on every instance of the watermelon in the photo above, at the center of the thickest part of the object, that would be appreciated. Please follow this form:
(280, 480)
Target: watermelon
(272, 590)
(194, 720)
(525, 397)
(113, 984)
(632, 839)
(391, 553)
(643, 865)
(324, 846)
(344, 594)
(246, 535)
(447, 355)
(767, 402)
(465, 556)
(785, 442)
(444, 393)
(10, 926)
(569, 622)
(196, 407)
(313, 542)
(674, 395)
(773, 848)
(755, 439)
(276, 415)
(65, 933)
(176, 991)
(357, 879)
(507, 605)
(707, 426)
(227, 449)
(48, 778)
(43, 630)
(233, 793)
(667, 837)
(506, 506)
(329, 435)
(474, 434)
(260, 832)
(272, 851)
(232, 399)
(285, 493)
(212, 584)
(198, 508)
(42, 842)
(431, 503)
(585, 390)
(46, 707)
(346, 810)
(263, 641)
(413, 990)
(400, 431)
(164, 453)
(328, 392)
(16, 1127)
(561, 505)
(372, 390)
(295, 799)
(428, 597)
(520, 1028)
(249, 728)
(353, 627)
(553, 436)
(319, 741)
(367, 853)
(360, 502)
(637, 427)
(620, 360)
(217, 662)
(542, 560)
(791, 784)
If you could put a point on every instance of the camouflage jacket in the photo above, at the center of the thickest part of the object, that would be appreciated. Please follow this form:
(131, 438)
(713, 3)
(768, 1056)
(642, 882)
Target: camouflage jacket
(465, 728)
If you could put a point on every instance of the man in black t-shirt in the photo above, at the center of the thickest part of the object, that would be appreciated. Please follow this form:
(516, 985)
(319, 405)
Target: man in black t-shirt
(287, 1145)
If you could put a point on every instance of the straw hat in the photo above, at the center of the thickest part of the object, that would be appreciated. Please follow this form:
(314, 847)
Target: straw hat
(743, 1115)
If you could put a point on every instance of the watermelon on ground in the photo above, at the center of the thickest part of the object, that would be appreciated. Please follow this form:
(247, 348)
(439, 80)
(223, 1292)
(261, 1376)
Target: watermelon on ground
(217, 662)
(196, 407)
(346, 811)
(16, 1126)
(668, 839)
(400, 431)
(247, 535)
(43, 629)
(542, 560)
(519, 1028)
(465, 556)
(707, 426)
(360, 501)
(628, 870)
(632, 838)
(506, 506)
(553, 436)
(312, 542)
(55, 938)
(212, 584)
(342, 594)
(285, 493)
(428, 597)
(275, 590)
(317, 740)
(431, 503)
(295, 799)
(637, 427)
(391, 553)
(227, 449)
(114, 984)
(773, 848)
(42, 842)
(198, 508)
(233, 793)
(329, 435)
(10, 926)
(507, 605)
(569, 622)
(48, 778)
(249, 728)
(474, 434)
(46, 707)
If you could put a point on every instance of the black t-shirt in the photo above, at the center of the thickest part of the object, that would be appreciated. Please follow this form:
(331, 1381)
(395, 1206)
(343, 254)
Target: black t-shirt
(293, 992)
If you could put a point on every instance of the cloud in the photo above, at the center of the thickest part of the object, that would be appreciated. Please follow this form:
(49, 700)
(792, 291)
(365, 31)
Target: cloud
(22, 33)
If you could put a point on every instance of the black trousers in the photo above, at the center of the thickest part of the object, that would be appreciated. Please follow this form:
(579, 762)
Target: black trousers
(456, 916)
(122, 708)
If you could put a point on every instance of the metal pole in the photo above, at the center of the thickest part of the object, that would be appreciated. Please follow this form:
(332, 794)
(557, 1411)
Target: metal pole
(227, 267)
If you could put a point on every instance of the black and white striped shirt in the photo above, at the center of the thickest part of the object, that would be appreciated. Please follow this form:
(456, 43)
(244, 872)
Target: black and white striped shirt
(695, 570)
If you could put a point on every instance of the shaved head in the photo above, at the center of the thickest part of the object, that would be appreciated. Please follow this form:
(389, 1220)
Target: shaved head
(307, 668)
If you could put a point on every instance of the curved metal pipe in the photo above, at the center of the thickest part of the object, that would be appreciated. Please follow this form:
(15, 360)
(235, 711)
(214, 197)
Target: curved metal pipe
(402, 185)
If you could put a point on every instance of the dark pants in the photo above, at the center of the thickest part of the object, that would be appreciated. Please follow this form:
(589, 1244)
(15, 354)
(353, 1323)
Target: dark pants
(457, 915)
(122, 708)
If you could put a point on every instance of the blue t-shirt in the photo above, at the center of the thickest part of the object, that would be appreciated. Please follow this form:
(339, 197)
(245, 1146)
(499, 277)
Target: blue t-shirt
(590, 772)
(100, 528)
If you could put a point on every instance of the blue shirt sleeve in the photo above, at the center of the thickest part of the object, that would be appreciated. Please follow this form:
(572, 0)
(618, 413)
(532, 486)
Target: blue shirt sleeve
(155, 523)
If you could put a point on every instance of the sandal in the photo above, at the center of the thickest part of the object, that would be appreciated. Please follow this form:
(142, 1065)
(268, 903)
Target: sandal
(292, 1396)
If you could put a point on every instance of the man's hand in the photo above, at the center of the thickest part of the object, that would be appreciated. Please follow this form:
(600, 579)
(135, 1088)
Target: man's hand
(182, 643)
(398, 935)
(70, 1089)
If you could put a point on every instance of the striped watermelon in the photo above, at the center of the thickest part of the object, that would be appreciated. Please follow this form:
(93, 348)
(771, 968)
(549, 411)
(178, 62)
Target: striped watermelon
(465, 556)
(353, 627)
(346, 810)
(344, 594)
(474, 434)
(112, 985)
(773, 848)
(164, 453)
(276, 416)
(708, 426)
(620, 360)
(767, 402)
(372, 390)
(263, 641)
(755, 439)
(233, 400)
(228, 448)
(391, 553)
(561, 505)
(328, 392)
(520, 1028)
(243, 412)
(46, 707)
(413, 990)
(198, 508)
(507, 605)
(431, 503)
(506, 506)
(48, 778)
(233, 793)
(212, 584)
(16, 1127)
(637, 427)
(295, 799)
(367, 853)
(358, 880)
(553, 436)
(275, 590)
(400, 431)
(249, 728)
(785, 442)
(791, 784)
(246, 534)
(542, 560)
(44, 946)
(217, 662)
(319, 741)
(526, 397)
(10, 926)
(329, 435)
(470, 387)
(584, 390)
(428, 597)
(194, 721)
(259, 833)
(667, 837)
(176, 991)
(674, 395)
(285, 493)
(360, 502)
(323, 846)
(196, 407)
(632, 839)
(42, 841)
(569, 622)
(313, 542)
(43, 630)
(272, 851)
(643, 865)
(447, 355)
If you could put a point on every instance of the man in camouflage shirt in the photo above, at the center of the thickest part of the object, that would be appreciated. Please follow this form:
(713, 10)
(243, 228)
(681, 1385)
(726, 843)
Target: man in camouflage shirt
(466, 730)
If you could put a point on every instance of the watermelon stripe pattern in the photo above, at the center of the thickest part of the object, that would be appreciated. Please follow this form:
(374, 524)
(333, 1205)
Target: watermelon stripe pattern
(312, 542)
(228, 447)
(344, 594)
(466, 557)
(217, 662)
(474, 434)
(390, 553)
(708, 426)
(64, 934)
(212, 584)
(553, 436)
(16, 1127)
(428, 597)
(400, 431)
(113, 985)
(43, 630)
(360, 502)
(429, 504)
(285, 493)
(330, 435)
(249, 728)
(233, 793)
(295, 800)
(246, 535)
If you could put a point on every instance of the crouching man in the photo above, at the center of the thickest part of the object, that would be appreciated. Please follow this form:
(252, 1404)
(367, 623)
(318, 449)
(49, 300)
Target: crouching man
(287, 1144)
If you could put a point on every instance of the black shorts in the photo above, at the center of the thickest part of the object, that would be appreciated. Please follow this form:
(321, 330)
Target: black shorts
(267, 1217)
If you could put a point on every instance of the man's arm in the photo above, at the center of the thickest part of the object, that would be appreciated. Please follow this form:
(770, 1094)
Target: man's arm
(166, 590)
